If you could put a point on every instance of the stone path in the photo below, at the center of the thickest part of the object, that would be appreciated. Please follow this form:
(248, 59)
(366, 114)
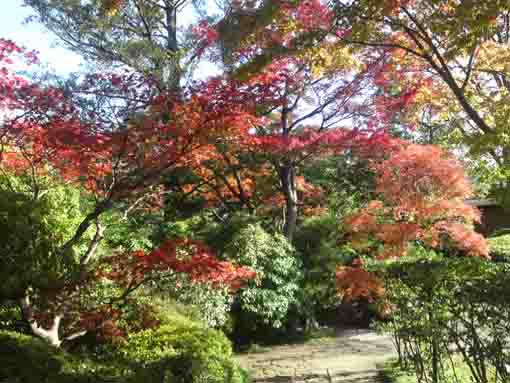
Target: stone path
(350, 357)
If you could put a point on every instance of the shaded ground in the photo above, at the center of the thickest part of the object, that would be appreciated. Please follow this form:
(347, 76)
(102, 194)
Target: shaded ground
(350, 357)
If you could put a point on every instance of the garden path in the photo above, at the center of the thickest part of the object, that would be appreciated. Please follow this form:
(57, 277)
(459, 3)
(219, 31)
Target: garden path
(352, 356)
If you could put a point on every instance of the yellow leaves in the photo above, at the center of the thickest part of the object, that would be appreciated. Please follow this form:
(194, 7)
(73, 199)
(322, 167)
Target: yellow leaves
(111, 7)
(494, 56)
(327, 58)
(291, 26)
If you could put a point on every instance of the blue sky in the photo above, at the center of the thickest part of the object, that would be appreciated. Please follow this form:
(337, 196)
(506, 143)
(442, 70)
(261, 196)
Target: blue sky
(33, 36)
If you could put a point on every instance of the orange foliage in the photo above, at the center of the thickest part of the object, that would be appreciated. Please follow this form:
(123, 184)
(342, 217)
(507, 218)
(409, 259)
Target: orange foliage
(355, 282)
(181, 256)
(423, 192)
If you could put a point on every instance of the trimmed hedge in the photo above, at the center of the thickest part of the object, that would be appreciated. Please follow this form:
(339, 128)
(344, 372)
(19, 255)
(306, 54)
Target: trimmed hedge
(25, 359)
(439, 303)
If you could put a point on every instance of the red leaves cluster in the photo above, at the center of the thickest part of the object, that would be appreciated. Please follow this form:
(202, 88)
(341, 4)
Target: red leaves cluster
(309, 14)
(45, 131)
(356, 283)
(206, 34)
(180, 256)
(423, 192)
(110, 324)
(308, 141)
(467, 241)
(103, 323)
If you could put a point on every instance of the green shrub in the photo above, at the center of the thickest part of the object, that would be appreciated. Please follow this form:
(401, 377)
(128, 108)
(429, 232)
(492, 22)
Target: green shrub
(211, 302)
(438, 303)
(500, 248)
(267, 299)
(26, 359)
(10, 318)
(183, 353)
(220, 235)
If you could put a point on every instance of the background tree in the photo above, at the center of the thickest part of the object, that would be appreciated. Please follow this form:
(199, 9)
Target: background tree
(312, 94)
(422, 202)
(146, 36)
(444, 51)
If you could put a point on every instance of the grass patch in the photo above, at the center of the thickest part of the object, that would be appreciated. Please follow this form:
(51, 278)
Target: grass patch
(391, 372)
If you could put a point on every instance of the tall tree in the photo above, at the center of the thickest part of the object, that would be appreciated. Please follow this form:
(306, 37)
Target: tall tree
(312, 83)
(143, 35)
(454, 55)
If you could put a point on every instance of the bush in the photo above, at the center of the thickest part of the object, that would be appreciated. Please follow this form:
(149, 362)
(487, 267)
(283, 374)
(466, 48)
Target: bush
(183, 353)
(267, 300)
(462, 302)
(26, 359)
(206, 302)
(500, 248)
(10, 318)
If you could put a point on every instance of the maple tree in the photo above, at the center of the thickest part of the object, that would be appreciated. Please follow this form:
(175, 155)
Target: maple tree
(453, 56)
(422, 193)
(44, 136)
(301, 98)
(296, 76)
(296, 85)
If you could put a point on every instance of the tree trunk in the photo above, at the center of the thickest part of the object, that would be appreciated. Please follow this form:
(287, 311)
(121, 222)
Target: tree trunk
(287, 172)
(174, 73)
(288, 180)
(50, 335)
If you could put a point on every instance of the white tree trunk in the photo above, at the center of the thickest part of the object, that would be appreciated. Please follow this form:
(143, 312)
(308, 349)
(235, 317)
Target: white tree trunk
(50, 335)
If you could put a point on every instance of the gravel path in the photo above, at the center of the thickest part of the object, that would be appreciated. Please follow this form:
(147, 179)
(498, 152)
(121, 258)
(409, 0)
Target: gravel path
(350, 357)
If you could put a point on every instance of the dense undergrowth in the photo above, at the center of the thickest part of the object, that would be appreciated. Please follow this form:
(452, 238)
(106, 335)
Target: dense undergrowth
(181, 352)
(450, 318)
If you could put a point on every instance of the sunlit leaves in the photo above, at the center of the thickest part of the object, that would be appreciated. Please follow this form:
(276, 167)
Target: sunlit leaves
(422, 199)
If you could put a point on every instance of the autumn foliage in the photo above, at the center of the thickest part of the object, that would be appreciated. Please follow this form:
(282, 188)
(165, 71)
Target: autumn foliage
(186, 256)
(297, 87)
(46, 132)
(423, 193)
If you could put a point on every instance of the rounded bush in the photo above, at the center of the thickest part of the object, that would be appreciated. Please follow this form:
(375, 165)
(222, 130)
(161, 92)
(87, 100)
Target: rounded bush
(183, 353)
